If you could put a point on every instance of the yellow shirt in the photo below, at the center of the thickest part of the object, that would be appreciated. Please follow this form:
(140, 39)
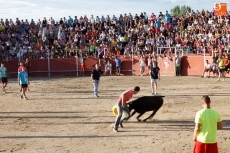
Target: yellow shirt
(221, 63)
(208, 119)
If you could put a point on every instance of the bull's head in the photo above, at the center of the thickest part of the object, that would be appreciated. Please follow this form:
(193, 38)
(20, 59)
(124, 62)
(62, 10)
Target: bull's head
(129, 105)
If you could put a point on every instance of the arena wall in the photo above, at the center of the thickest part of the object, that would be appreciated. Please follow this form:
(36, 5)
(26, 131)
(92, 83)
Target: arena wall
(191, 65)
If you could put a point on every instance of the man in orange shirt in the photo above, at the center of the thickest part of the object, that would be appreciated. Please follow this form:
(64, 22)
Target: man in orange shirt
(226, 63)
(122, 105)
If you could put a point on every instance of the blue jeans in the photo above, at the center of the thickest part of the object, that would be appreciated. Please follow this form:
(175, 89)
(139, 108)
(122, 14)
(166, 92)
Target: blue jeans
(120, 110)
(95, 86)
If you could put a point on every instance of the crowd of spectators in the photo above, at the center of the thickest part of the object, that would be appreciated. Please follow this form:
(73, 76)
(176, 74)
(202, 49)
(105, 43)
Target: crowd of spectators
(194, 32)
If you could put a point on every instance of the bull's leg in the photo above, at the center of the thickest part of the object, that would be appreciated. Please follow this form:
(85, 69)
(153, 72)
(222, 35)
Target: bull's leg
(140, 116)
(151, 116)
(126, 119)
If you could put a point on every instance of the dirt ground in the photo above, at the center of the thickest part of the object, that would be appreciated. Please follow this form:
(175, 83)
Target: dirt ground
(62, 116)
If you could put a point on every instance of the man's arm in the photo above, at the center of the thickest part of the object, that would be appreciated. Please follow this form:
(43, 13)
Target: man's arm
(159, 75)
(123, 102)
(18, 79)
(92, 76)
(27, 80)
(219, 125)
(196, 131)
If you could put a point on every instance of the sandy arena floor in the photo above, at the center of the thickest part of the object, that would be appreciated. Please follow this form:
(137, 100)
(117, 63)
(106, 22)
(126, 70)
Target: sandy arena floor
(62, 116)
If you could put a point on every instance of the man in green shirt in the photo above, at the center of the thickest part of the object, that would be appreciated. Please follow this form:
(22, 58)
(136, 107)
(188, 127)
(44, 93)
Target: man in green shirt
(3, 77)
(208, 121)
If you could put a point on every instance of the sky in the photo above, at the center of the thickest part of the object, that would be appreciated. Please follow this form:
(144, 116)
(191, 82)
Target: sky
(38, 9)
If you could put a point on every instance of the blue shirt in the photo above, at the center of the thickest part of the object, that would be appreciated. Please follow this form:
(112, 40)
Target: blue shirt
(118, 62)
(167, 18)
(70, 21)
(157, 24)
(2, 72)
(23, 76)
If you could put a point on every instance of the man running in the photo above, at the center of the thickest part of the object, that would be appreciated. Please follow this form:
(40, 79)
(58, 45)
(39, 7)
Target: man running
(122, 105)
(24, 82)
(3, 77)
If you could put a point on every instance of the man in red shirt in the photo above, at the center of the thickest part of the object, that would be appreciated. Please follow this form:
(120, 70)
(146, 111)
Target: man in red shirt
(122, 105)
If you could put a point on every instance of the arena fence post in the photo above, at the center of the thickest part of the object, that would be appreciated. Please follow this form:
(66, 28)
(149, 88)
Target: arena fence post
(132, 65)
(204, 56)
(77, 64)
(48, 63)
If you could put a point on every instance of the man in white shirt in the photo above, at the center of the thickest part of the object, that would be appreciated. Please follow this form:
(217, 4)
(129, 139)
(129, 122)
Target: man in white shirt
(142, 65)
(207, 68)
(108, 68)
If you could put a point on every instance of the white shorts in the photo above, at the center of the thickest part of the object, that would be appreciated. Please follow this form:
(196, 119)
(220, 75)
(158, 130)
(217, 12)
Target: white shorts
(154, 80)
(107, 70)
(142, 68)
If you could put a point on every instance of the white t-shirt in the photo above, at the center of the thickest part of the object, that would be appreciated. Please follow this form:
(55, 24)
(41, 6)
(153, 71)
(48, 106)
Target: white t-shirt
(142, 62)
(207, 65)
(108, 66)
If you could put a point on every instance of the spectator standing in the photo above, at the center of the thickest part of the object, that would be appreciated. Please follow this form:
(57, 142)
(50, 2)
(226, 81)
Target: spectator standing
(142, 64)
(149, 63)
(118, 65)
(27, 65)
(95, 76)
(178, 64)
(82, 62)
(3, 76)
(154, 76)
(221, 66)
(108, 68)
(207, 121)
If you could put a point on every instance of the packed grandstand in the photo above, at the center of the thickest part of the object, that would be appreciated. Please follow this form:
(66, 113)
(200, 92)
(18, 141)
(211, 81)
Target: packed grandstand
(194, 32)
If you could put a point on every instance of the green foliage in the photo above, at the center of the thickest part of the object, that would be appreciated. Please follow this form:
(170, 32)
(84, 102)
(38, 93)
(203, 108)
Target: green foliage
(180, 10)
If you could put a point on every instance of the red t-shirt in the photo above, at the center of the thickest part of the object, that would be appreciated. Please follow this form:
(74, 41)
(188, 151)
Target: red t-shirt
(20, 69)
(127, 97)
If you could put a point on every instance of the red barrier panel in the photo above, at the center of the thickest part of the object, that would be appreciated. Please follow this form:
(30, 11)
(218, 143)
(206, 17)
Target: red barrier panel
(190, 66)
(63, 67)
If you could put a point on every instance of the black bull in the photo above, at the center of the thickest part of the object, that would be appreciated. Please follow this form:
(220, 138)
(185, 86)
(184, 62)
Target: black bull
(144, 104)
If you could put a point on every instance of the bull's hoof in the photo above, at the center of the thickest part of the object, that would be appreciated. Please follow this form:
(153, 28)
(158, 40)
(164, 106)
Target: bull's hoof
(144, 120)
(138, 120)
(121, 125)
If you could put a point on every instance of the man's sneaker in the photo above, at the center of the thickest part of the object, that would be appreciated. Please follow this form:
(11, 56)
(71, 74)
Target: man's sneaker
(155, 93)
(152, 93)
(25, 98)
(115, 130)
(21, 96)
(96, 96)
(4, 91)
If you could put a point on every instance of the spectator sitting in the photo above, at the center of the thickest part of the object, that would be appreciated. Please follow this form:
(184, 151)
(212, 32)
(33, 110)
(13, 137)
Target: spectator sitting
(207, 68)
